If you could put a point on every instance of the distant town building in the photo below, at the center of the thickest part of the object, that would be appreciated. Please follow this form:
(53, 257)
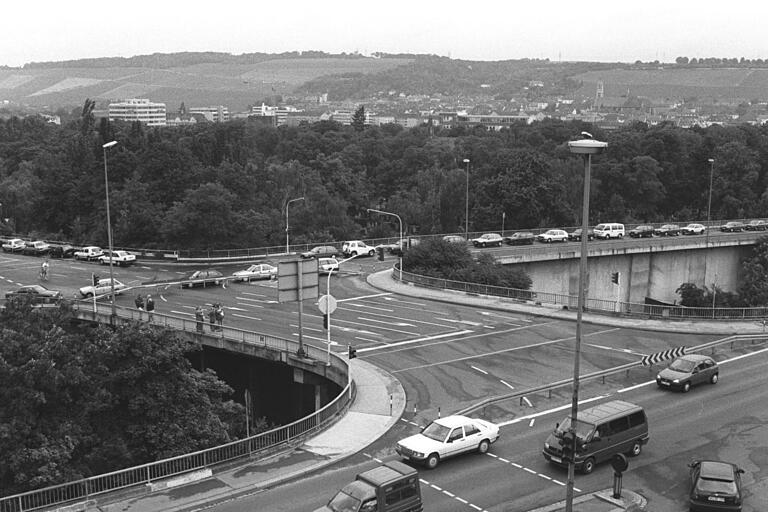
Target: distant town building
(137, 109)
(219, 114)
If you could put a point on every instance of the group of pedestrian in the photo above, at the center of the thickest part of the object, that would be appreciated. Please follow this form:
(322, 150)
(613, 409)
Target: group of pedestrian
(149, 305)
(215, 317)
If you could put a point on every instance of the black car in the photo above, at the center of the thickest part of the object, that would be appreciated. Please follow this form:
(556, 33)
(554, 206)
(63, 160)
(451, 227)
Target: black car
(732, 227)
(36, 248)
(203, 278)
(519, 238)
(36, 293)
(643, 231)
(576, 234)
(715, 486)
(667, 230)
(756, 225)
(61, 251)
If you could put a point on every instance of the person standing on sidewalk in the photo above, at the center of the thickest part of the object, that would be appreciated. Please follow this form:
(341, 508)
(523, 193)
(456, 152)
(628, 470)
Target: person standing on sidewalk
(219, 316)
(212, 317)
(150, 307)
(199, 318)
(139, 304)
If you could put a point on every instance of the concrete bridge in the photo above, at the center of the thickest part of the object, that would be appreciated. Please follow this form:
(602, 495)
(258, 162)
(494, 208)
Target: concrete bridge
(652, 267)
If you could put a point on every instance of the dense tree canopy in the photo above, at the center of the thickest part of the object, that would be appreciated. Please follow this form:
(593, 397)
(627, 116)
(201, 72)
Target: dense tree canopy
(77, 401)
(227, 185)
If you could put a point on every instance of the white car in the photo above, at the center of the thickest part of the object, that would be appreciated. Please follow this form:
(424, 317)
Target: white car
(552, 235)
(119, 258)
(446, 437)
(89, 253)
(102, 288)
(327, 265)
(14, 245)
(488, 240)
(693, 229)
(258, 271)
(357, 248)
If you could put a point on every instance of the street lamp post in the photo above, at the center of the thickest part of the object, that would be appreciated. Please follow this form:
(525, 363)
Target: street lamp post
(709, 209)
(399, 240)
(328, 292)
(466, 202)
(287, 246)
(109, 229)
(586, 147)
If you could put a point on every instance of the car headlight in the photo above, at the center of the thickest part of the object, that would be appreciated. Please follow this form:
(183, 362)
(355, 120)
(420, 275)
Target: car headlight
(546, 445)
(676, 381)
(658, 376)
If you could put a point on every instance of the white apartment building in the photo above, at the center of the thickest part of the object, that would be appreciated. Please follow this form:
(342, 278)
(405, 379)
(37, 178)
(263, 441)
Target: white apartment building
(137, 109)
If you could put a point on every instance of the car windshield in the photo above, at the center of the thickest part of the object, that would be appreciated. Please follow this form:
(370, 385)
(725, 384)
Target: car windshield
(583, 429)
(436, 431)
(343, 502)
(682, 365)
(711, 486)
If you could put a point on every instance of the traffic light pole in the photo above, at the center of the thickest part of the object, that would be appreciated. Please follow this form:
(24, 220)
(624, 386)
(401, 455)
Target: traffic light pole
(328, 315)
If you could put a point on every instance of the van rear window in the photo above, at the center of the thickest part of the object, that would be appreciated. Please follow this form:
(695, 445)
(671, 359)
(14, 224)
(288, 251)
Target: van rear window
(636, 418)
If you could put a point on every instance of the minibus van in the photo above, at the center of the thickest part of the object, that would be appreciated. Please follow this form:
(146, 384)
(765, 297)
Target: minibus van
(609, 230)
(601, 432)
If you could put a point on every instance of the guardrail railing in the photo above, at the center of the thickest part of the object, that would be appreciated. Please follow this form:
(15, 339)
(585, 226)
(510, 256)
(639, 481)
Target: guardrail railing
(603, 306)
(259, 444)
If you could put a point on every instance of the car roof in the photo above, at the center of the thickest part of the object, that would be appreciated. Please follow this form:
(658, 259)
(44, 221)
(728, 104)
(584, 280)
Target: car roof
(694, 357)
(716, 470)
(453, 421)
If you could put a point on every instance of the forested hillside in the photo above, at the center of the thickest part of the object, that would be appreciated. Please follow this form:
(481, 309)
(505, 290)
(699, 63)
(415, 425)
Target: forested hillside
(226, 185)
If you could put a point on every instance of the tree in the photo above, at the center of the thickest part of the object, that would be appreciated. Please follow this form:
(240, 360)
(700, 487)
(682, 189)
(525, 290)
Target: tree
(358, 119)
(753, 288)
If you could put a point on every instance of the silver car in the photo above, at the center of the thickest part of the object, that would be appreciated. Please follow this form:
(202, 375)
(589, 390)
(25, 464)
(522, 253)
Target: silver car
(688, 371)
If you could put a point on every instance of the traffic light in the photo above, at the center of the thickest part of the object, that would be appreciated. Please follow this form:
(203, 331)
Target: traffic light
(567, 442)
(352, 352)
(380, 250)
(95, 279)
(325, 321)
(615, 277)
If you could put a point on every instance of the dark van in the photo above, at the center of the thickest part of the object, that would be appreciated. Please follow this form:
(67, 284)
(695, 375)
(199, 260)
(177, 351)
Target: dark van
(393, 487)
(601, 432)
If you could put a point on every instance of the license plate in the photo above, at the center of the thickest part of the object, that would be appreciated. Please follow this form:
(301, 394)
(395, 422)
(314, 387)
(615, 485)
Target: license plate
(663, 383)
(716, 498)
(556, 459)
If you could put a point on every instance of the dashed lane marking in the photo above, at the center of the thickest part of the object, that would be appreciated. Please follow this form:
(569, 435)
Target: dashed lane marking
(529, 470)
(416, 340)
(478, 369)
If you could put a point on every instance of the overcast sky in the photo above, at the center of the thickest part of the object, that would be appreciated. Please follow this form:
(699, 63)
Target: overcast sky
(601, 30)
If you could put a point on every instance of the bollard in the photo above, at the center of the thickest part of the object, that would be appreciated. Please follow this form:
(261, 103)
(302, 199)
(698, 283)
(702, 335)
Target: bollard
(550, 393)
(390, 405)
(438, 411)
(603, 379)
(414, 410)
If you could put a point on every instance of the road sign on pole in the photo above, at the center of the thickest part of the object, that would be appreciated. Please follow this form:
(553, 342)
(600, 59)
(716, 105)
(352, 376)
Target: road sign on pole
(327, 304)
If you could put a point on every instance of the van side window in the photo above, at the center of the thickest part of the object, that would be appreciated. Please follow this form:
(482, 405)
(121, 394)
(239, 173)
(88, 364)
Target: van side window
(636, 418)
(401, 492)
(618, 425)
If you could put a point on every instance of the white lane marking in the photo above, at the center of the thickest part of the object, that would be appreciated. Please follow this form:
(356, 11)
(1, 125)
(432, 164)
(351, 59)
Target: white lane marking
(234, 308)
(548, 411)
(497, 352)
(394, 299)
(247, 317)
(262, 301)
(478, 369)
(533, 420)
(416, 340)
(366, 339)
(351, 305)
(529, 470)
(615, 349)
(455, 321)
(181, 312)
(415, 321)
(398, 324)
(251, 305)
(504, 317)
(510, 386)
(364, 297)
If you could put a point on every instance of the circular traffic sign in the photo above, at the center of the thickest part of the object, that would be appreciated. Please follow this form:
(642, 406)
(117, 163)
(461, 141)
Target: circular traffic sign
(327, 304)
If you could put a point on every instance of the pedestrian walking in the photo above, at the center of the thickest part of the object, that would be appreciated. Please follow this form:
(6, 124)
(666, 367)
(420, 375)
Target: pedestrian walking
(212, 318)
(139, 304)
(199, 318)
(220, 316)
(150, 305)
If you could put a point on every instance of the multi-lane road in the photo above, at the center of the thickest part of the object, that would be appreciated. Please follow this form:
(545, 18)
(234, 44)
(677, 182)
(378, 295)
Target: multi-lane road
(452, 356)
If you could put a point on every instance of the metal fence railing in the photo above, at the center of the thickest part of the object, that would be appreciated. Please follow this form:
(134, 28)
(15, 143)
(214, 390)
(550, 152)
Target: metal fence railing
(259, 444)
(595, 305)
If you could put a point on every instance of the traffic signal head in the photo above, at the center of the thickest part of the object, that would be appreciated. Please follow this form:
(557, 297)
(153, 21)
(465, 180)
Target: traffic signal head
(95, 279)
(615, 277)
(380, 250)
(352, 352)
(325, 321)
(567, 442)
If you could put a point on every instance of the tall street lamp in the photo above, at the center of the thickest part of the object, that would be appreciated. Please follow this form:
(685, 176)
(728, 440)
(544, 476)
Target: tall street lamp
(287, 246)
(586, 147)
(709, 209)
(109, 227)
(466, 202)
(399, 240)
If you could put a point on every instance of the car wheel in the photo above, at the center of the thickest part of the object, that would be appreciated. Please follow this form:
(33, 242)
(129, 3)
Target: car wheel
(588, 466)
(637, 447)
(714, 378)
(353, 253)
(88, 295)
(548, 240)
(482, 245)
(620, 236)
(432, 461)
(483, 446)
(686, 387)
(371, 252)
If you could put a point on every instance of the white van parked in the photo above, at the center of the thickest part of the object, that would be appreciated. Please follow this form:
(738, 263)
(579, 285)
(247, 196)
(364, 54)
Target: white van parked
(609, 230)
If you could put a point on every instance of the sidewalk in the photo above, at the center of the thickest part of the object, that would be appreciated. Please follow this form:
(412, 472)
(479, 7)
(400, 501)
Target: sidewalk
(370, 416)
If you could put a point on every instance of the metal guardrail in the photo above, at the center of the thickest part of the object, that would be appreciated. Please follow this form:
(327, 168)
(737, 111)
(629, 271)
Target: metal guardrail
(259, 444)
(604, 373)
(603, 306)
